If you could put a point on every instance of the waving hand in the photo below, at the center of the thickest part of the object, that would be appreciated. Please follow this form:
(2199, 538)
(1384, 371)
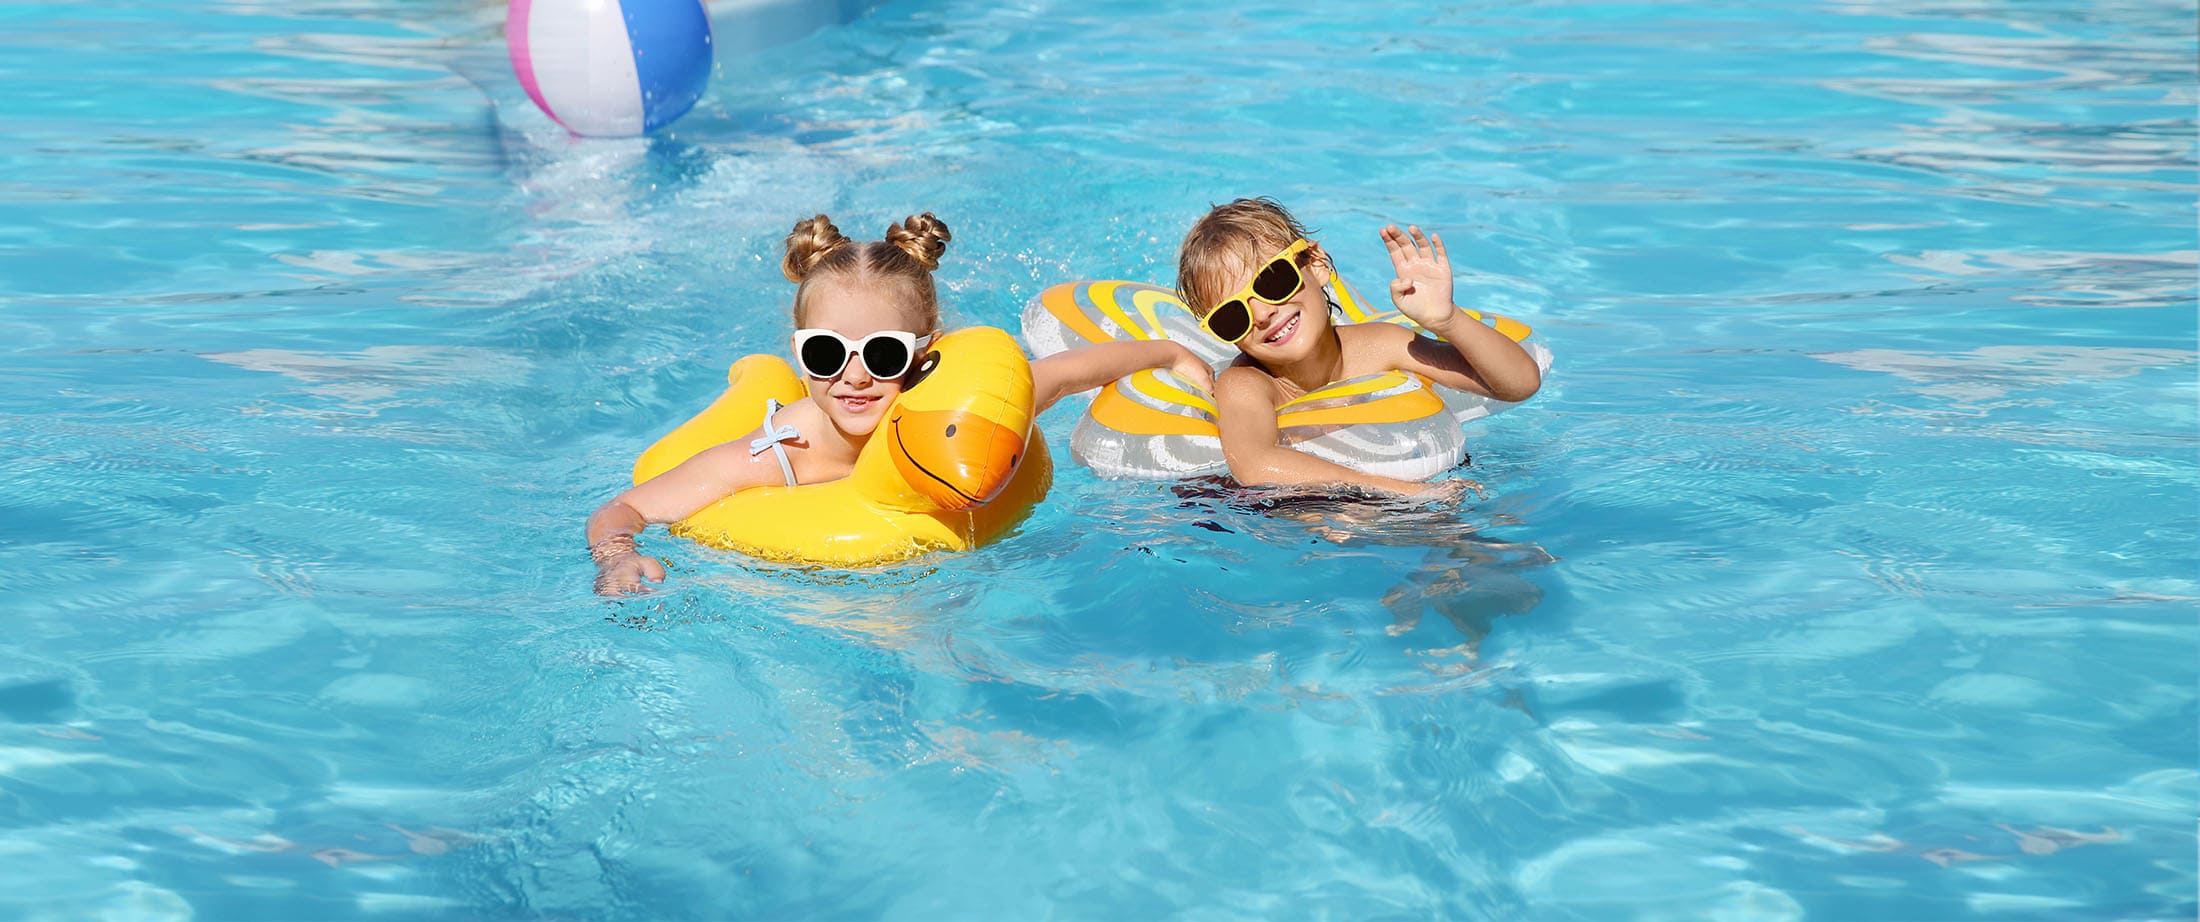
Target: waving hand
(1422, 288)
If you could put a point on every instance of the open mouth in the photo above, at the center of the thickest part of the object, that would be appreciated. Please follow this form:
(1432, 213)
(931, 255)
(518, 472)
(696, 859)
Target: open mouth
(1283, 333)
(856, 404)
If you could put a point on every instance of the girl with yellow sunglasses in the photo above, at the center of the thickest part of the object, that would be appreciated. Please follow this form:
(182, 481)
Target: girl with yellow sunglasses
(1254, 278)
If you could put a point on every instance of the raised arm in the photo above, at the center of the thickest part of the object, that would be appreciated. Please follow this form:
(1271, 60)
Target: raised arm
(1471, 356)
(1245, 400)
(1065, 373)
(712, 474)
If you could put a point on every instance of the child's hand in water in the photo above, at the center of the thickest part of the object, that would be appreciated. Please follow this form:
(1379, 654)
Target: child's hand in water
(1422, 288)
(1450, 492)
(621, 570)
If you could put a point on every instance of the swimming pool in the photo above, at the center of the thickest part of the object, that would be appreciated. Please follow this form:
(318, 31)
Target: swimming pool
(1844, 569)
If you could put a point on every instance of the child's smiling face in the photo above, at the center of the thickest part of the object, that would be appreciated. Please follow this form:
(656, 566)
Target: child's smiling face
(855, 400)
(1287, 332)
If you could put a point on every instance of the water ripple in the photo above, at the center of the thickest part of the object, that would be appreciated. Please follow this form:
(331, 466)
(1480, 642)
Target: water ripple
(1843, 573)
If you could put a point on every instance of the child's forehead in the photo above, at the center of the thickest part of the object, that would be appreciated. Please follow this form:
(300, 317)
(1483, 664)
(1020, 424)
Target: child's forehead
(1241, 254)
(1261, 242)
(848, 301)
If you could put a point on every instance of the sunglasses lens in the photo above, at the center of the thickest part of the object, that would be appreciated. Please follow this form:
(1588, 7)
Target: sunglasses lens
(1230, 321)
(1278, 282)
(822, 356)
(885, 358)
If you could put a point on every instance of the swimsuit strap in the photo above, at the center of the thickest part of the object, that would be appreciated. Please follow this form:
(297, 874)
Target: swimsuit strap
(773, 437)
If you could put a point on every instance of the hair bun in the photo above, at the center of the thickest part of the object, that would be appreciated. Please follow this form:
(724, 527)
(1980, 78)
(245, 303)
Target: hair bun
(922, 236)
(812, 241)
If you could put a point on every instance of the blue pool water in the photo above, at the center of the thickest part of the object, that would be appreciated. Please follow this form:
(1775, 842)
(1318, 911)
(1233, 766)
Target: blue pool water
(1845, 568)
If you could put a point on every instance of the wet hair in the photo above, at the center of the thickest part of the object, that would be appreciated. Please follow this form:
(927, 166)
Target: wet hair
(1230, 238)
(905, 259)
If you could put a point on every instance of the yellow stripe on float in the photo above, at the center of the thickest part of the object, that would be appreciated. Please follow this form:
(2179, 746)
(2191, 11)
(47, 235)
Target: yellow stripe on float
(1061, 301)
(1149, 383)
(1513, 329)
(1348, 299)
(1103, 297)
(1122, 414)
(1381, 382)
(1149, 298)
(1397, 408)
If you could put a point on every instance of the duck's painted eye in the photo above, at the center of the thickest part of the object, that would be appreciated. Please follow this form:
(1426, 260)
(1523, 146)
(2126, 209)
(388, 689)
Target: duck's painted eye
(950, 430)
(923, 368)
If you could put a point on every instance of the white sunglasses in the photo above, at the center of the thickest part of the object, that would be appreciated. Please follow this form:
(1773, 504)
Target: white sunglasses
(824, 354)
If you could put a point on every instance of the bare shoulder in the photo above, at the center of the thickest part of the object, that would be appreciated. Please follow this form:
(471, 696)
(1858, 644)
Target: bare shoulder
(804, 415)
(1374, 332)
(1374, 347)
(1245, 383)
(751, 467)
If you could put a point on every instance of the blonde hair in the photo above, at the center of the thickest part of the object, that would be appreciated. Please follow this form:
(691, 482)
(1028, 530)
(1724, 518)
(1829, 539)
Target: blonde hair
(1231, 237)
(816, 250)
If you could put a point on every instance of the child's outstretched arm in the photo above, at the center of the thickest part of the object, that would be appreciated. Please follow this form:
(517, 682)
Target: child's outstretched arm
(1472, 357)
(712, 474)
(1245, 401)
(1065, 373)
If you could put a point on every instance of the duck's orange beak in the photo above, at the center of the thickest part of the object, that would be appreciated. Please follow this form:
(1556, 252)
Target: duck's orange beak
(956, 458)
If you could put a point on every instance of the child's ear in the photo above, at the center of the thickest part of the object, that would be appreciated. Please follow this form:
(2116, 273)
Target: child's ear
(1318, 264)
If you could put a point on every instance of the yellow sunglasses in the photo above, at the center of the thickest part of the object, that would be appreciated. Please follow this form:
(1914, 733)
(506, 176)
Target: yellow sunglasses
(1276, 282)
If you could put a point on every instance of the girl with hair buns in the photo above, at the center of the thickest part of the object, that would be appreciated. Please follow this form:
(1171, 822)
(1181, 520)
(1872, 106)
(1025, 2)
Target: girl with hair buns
(863, 313)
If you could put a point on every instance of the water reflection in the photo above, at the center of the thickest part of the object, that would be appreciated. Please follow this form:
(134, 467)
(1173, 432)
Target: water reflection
(1988, 373)
(1991, 127)
(1463, 577)
(2070, 279)
(378, 376)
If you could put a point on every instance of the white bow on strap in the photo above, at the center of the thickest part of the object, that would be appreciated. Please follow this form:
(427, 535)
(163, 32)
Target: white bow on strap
(772, 440)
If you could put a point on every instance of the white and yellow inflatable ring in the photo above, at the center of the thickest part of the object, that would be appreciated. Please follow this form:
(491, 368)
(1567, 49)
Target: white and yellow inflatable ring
(1153, 424)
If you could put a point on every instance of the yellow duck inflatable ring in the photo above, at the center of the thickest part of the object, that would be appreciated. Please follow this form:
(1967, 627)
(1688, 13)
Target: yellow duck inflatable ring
(957, 462)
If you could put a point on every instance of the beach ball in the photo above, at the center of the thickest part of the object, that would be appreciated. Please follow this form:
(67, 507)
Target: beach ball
(610, 68)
